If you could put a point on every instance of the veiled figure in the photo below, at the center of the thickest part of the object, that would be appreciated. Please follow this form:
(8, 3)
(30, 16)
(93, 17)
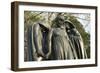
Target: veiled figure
(65, 41)
(59, 42)
(76, 40)
(37, 40)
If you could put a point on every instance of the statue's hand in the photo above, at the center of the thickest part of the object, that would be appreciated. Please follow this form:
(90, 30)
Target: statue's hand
(39, 58)
(40, 53)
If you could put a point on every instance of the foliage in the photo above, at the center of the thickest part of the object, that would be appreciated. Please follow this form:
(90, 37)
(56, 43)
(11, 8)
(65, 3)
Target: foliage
(31, 17)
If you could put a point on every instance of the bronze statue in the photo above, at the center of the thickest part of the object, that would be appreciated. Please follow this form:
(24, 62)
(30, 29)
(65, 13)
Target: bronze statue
(37, 42)
(61, 42)
(76, 40)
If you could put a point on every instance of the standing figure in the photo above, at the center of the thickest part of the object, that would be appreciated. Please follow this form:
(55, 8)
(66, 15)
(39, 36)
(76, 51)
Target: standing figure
(37, 42)
(59, 43)
(76, 40)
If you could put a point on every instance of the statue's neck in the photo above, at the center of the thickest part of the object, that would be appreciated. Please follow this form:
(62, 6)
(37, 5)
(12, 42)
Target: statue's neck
(62, 27)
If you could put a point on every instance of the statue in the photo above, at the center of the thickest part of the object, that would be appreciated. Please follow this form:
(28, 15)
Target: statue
(37, 42)
(61, 42)
(76, 40)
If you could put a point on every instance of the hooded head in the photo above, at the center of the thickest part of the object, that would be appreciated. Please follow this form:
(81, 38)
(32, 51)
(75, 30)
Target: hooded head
(69, 24)
(59, 20)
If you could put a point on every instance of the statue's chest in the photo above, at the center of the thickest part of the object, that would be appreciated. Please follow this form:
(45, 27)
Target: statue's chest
(59, 32)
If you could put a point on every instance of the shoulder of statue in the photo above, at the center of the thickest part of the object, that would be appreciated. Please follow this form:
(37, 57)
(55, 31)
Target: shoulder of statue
(36, 26)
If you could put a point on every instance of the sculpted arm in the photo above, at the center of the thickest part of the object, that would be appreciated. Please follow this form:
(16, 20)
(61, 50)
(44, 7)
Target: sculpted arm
(37, 40)
(49, 43)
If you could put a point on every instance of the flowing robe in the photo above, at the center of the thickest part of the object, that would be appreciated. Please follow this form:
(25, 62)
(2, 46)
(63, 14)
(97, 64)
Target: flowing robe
(61, 47)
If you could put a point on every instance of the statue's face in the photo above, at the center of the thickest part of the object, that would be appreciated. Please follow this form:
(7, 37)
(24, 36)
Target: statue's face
(60, 22)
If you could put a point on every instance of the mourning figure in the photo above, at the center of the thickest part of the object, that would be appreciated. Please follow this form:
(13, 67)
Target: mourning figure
(61, 42)
(76, 40)
(37, 42)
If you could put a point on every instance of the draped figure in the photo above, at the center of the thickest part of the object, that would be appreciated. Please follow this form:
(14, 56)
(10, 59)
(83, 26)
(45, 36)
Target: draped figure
(65, 42)
(76, 40)
(37, 42)
(62, 42)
